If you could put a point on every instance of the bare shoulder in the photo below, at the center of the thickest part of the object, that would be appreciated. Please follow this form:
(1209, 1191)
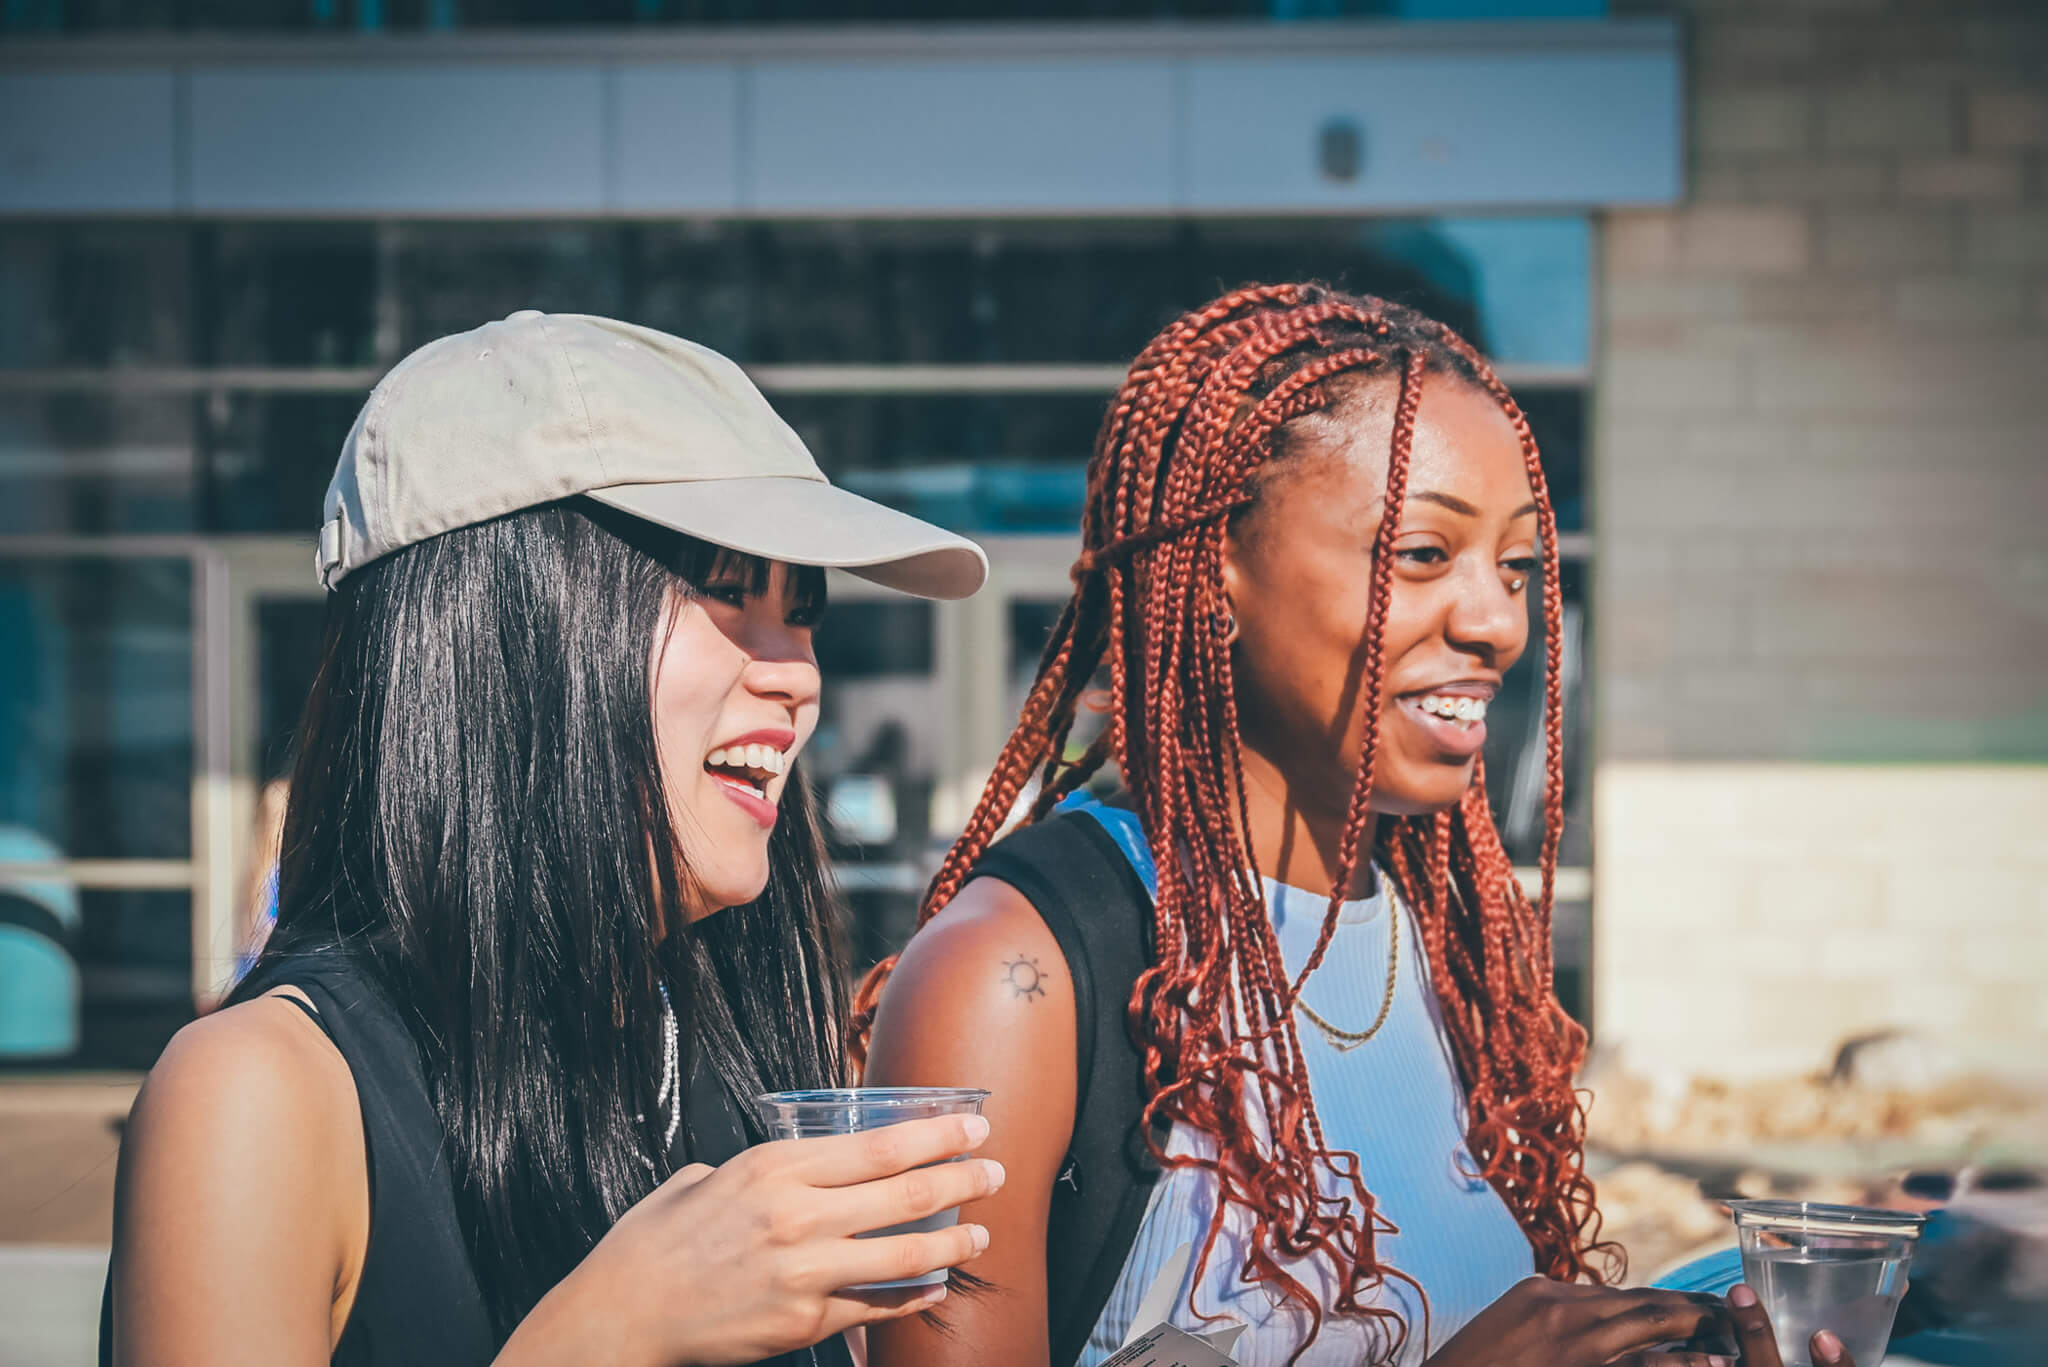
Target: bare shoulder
(985, 962)
(242, 1181)
(260, 1068)
(982, 997)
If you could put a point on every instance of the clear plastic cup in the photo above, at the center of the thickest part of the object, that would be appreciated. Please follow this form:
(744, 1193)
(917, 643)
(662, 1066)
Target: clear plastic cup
(1815, 1267)
(849, 1110)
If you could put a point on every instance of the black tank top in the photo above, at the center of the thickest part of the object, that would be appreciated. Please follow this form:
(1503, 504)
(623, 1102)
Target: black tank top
(418, 1304)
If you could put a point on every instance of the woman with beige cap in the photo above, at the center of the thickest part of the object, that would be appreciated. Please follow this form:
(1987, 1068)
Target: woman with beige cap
(551, 908)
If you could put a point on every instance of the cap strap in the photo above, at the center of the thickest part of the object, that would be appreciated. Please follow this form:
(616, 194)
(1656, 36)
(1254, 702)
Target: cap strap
(327, 557)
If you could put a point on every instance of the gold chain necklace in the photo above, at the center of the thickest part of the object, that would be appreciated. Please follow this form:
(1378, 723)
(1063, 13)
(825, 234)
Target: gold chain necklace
(1344, 1041)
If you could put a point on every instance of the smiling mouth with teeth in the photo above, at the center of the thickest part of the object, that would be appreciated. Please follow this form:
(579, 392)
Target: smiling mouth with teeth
(1465, 713)
(747, 767)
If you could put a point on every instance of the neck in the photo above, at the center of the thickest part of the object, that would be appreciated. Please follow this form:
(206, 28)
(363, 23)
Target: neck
(1297, 841)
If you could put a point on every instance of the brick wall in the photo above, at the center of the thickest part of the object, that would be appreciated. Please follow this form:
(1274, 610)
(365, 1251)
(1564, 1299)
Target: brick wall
(1822, 501)
(1753, 915)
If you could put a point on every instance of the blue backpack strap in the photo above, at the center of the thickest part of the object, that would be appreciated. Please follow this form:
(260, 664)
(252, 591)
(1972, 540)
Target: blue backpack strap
(1126, 830)
(1077, 869)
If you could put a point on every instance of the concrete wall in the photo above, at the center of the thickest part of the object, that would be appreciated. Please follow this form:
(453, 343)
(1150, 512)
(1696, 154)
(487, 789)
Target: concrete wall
(1133, 119)
(1822, 513)
(1750, 915)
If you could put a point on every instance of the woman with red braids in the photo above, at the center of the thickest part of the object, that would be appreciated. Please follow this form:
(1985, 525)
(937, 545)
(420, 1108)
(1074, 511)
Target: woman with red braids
(1330, 1064)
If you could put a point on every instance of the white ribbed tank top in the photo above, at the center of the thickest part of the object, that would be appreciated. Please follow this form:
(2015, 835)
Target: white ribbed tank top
(1395, 1101)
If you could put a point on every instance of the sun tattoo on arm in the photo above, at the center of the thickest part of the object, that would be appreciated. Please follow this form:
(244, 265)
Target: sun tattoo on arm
(1025, 977)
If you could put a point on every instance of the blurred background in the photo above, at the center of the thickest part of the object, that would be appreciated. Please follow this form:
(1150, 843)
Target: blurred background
(1770, 277)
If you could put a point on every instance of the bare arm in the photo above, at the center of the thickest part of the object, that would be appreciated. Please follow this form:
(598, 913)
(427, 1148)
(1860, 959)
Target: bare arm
(244, 1197)
(982, 998)
(244, 1205)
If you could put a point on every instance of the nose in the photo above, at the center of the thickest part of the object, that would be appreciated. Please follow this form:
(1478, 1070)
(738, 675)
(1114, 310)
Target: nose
(1485, 619)
(794, 683)
(782, 667)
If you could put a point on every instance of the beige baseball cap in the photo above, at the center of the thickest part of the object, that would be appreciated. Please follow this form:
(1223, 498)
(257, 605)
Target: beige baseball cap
(544, 406)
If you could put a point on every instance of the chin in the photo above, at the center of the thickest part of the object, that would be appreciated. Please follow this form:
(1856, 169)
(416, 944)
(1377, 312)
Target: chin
(719, 888)
(1408, 793)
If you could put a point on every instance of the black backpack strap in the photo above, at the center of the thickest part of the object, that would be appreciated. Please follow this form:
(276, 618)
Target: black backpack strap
(1095, 905)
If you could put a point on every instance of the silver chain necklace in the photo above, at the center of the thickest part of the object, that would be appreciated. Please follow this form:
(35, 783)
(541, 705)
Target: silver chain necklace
(671, 1067)
(671, 1088)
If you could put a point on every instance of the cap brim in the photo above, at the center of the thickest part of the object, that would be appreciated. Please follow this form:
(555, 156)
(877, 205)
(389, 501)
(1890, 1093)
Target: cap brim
(810, 522)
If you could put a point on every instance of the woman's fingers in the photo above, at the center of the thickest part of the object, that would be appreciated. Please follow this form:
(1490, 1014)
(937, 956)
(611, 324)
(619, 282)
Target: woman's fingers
(900, 1257)
(842, 1160)
(872, 1307)
(1760, 1344)
(1830, 1351)
(1659, 1359)
(1753, 1329)
(908, 1196)
(1649, 1317)
(850, 1309)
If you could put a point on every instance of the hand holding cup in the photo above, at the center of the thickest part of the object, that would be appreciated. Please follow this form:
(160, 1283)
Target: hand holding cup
(768, 1253)
(1759, 1342)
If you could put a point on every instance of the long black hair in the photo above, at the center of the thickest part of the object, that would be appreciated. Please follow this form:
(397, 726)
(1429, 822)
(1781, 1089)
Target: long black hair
(476, 816)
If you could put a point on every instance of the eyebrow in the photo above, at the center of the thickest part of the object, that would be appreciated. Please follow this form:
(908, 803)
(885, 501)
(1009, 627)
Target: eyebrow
(1460, 506)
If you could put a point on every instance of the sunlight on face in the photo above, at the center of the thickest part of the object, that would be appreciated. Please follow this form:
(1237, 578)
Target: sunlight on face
(1299, 573)
(735, 699)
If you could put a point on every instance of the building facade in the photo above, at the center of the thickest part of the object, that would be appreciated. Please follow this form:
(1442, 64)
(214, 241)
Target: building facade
(1774, 334)
(1821, 474)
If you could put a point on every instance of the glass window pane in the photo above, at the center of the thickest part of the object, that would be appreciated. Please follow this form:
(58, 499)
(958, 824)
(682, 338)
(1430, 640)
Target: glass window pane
(913, 292)
(90, 978)
(1558, 418)
(839, 292)
(878, 293)
(83, 461)
(874, 760)
(286, 14)
(1571, 939)
(289, 635)
(695, 280)
(981, 462)
(1494, 9)
(1018, 462)
(1514, 736)
(269, 458)
(875, 639)
(1030, 623)
(135, 970)
(96, 705)
(456, 276)
(94, 294)
(991, 292)
(290, 295)
(1531, 283)
(1518, 288)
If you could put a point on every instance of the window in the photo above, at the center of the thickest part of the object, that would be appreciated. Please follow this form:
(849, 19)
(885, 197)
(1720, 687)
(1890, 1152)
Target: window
(201, 377)
(96, 705)
(173, 395)
(96, 760)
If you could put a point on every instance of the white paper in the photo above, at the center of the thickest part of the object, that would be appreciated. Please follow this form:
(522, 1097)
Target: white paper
(1163, 1345)
(1156, 1306)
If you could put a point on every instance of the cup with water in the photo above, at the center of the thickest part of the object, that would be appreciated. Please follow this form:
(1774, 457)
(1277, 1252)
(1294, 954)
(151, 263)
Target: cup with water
(849, 1110)
(1815, 1267)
